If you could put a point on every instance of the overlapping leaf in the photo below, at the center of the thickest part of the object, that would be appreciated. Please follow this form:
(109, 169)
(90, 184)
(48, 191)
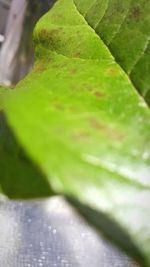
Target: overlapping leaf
(79, 119)
(125, 28)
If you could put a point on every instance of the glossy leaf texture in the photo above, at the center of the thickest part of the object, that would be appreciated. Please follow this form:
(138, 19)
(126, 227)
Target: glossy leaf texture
(78, 124)
(124, 26)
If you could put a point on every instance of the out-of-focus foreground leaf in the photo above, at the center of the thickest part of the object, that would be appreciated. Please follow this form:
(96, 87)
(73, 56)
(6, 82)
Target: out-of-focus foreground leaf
(81, 122)
(124, 26)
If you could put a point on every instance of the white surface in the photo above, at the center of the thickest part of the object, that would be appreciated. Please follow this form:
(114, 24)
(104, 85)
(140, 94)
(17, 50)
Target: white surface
(48, 234)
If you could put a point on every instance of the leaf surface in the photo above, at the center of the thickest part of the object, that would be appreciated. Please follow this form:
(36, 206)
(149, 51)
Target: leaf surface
(78, 118)
(124, 26)
(2, 92)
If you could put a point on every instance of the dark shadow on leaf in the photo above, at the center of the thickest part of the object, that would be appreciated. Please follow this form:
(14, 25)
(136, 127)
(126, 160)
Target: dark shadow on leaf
(19, 177)
(109, 228)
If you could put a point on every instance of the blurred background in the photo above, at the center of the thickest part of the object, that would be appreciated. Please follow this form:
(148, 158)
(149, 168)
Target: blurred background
(49, 233)
(17, 21)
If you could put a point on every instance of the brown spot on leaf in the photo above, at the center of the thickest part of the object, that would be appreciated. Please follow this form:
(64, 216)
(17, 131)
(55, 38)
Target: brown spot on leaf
(41, 66)
(73, 70)
(59, 107)
(59, 65)
(49, 38)
(77, 54)
(107, 131)
(96, 124)
(98, 94)
(111, 71)
(80, 136)
(135, 13)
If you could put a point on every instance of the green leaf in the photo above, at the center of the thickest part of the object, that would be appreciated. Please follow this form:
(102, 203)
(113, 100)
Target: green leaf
(124, 26)
(2, 92)
(14, 164)
(81, 122)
